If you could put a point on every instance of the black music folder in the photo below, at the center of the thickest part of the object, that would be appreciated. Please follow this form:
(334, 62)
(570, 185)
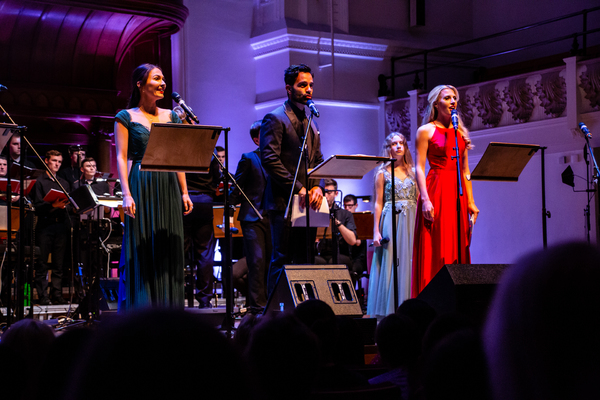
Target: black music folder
(180, 148)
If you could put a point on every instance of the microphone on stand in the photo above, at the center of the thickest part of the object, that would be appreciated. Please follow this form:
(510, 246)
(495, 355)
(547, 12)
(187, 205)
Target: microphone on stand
(313, 108)
(190, 113)
(454, 116)
(584, 129)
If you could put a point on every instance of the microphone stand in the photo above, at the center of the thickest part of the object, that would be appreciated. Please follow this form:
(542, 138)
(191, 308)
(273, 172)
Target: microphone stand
(303, 155)
(395, 261)
(335, 233)
(460, 193)
(597, 174)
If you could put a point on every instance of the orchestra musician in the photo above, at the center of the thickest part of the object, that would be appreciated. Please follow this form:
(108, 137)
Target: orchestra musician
(52, 231)
(14, 151)
(88, 170)
(251, 177)
(344, 222)
(72, 172)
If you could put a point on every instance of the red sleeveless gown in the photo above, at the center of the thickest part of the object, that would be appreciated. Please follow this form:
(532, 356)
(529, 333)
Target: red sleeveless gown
(436, 243)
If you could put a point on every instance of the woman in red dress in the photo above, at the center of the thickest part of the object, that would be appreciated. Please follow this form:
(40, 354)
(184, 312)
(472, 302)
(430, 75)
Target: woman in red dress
(436, 237)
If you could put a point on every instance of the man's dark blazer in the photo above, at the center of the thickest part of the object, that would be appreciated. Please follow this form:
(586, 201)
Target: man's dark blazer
(252, 178)
(280, 142)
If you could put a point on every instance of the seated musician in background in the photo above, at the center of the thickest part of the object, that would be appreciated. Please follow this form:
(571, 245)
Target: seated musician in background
(88, 170)
(52, 231)
(344, 222)
(358, 252)
(14, 150)
(3, 173)
(219, 194)
(72, 172)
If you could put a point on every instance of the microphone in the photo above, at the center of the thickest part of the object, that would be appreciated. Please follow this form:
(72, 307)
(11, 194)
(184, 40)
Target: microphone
(584, 129)
(313, 108)
(232, 229)
(454, 116)
(382, 242)
(2, 87)
(188, 110)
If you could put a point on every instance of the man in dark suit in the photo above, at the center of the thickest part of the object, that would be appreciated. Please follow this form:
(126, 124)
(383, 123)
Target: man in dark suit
(52, 231)
(281, 136)
(72, 172)
(252, 178)
(88, 170)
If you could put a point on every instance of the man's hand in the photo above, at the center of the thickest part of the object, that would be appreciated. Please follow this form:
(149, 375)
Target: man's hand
(60, 203)
(315, 197)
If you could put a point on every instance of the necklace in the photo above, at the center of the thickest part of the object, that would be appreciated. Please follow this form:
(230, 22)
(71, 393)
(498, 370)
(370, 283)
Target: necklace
(150, 117)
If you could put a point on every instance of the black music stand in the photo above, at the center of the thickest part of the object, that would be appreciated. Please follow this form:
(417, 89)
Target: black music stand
(504, 162)
(6, 132)
(190, 149)
(356, 167)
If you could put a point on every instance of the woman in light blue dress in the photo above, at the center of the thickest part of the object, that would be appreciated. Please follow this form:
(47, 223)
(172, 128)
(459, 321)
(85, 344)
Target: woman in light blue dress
(380, 301)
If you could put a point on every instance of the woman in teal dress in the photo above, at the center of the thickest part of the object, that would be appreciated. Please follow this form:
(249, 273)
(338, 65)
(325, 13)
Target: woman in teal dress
(152, 261)
(380, 302)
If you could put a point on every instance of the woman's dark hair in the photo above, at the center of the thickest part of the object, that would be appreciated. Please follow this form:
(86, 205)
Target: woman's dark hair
(140, 74)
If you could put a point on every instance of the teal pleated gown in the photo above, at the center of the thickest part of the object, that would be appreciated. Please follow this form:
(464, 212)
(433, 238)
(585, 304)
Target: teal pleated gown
(152, 260)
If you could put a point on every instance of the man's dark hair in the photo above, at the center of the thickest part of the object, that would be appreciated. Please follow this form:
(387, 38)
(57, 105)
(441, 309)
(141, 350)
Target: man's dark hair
(255, 129)
(350, 197)
(291, 74)
(87, 159)
(219, 148)
(75, 148)
(3, 157)
(331, 182)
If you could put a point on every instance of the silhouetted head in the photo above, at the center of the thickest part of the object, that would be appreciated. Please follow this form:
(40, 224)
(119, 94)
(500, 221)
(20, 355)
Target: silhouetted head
(541, 335)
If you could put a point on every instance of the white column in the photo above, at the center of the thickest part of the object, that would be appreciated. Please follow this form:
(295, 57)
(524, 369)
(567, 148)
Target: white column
(382, 120)
(573, 99)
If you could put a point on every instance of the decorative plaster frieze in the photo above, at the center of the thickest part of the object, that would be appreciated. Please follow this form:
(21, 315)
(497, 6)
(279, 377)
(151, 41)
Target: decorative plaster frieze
(515, 100)
(589, 82)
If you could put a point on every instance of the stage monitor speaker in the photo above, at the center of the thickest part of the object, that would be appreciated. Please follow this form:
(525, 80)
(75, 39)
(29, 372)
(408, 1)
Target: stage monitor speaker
(105, 296)
(109, 292)
(329, 283)
(463, 288)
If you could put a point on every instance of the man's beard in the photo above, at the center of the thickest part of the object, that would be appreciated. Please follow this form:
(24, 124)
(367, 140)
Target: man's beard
(298, 98)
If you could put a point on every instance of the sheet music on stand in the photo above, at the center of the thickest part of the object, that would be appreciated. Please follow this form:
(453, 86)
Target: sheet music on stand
(346, 166)
(318, 219)
(180, 148)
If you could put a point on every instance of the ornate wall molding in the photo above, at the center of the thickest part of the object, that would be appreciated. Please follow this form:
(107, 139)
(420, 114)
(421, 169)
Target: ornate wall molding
(519, 98)
(590, 83)
(397, 116)
(552, 92)
(489, 105)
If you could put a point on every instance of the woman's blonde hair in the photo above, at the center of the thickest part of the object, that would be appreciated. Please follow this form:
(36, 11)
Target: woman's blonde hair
(386, 151)
(430, 114)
